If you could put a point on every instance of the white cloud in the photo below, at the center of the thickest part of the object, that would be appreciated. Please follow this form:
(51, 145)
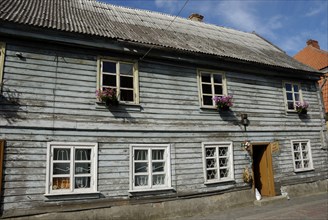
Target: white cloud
(170, 5)
(317, 8)
(243, 15)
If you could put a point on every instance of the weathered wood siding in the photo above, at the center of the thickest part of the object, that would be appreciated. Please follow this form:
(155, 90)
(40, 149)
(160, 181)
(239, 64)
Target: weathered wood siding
(50, 96)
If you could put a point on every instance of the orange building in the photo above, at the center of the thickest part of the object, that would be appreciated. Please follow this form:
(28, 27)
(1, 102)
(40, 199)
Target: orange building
(316, 58)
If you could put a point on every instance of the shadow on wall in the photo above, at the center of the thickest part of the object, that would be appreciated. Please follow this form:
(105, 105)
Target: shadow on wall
(9, 106)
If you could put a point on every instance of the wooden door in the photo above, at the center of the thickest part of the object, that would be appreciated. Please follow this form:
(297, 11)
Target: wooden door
(262, 169)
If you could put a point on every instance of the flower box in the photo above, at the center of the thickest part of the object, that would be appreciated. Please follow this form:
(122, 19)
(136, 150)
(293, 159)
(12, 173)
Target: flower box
(223, 103)
(107, 96)
(301, 107)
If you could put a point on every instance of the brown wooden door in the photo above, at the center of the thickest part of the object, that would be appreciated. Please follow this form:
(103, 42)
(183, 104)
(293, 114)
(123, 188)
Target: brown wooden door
(262, 168)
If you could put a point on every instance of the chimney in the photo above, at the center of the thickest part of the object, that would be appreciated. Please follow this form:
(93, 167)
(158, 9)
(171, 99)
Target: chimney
(196, 17)
(313, 43)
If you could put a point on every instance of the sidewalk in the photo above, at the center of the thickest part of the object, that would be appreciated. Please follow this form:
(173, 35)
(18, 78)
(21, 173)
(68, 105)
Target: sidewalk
(312, 207)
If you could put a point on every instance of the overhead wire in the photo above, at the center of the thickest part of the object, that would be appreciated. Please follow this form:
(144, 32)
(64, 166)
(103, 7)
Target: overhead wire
(152, 47)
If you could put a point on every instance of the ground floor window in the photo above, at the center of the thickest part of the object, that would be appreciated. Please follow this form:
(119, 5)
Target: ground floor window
(218, 162)
(150, 167)
(302, 157)
(71, 168)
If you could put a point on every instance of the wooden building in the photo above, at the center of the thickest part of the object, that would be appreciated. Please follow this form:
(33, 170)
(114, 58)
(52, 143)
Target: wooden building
(165, 138)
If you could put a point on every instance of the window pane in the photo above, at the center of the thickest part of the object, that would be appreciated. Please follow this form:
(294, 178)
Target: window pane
(141, 167)
(158, 154)
(126, 95)
(210, 152)
(297, 97)
(224, 173)
(109, 80)
(141, 181)
(140, 154)
(305, 155)
(82, 154)
(158, 167)
(60, 183)
(223, 162)
(290, 105)
(159, 179)
(223, 151)
(296, 147)
(297, 156)
(298, 164)
(126, 69)
(288, 87)
(290, 96)
(218, 90)
(212, 174)
(207, 100)
(126, 82)
(207, 89)
(82, 168)
(303, 145)
(206, 77)
(62, 154)
(109, 67)
(306, 163)
(61, 168)
(210, 163)
(82, 182)
(295, 88)
(217, 78)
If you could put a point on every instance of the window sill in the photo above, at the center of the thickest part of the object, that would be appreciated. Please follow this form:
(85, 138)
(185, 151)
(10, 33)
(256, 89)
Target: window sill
(136, 191)
(210, 110)
(71, 196)
(219, 181)
(307, 170)
(120, 107)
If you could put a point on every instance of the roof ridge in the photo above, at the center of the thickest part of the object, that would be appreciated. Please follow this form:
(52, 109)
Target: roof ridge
(319, 50)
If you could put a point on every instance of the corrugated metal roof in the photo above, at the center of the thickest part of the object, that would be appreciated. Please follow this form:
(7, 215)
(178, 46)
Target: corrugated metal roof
(95, 18)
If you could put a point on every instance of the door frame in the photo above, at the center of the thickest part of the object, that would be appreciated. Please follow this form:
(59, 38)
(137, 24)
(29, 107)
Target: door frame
(268, 152)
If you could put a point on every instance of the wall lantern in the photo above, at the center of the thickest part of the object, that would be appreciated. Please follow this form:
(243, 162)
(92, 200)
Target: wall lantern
(244, 120)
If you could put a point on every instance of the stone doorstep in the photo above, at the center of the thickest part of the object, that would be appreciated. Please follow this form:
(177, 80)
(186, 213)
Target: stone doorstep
(270, 200)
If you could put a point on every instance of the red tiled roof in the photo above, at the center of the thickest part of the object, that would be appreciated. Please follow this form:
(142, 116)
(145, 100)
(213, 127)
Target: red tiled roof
(325, 92)
(313, 57)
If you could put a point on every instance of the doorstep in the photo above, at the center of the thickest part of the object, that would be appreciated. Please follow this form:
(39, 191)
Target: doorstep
(270, 200)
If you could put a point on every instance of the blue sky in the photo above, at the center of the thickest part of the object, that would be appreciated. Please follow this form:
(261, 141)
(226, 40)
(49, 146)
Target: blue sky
(286, 23)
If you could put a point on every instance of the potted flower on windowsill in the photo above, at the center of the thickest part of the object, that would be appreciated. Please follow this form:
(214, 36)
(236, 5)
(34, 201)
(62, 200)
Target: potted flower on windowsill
(223, 103)
(301, 107)
(107, 96)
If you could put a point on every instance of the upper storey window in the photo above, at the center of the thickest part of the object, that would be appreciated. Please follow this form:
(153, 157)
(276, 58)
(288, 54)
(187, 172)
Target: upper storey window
(122, 77)
(293, 94)
(211, 84)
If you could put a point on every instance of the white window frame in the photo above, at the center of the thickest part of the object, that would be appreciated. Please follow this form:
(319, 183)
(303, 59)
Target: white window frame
(135, 76)
(230, 166)
(93, 167)
(308, 144)
(167, 169)
(2, 63)
(285, 94)
(200, 83)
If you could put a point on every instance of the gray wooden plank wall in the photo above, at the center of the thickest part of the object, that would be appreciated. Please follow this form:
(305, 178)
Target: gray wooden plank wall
(55, 90)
